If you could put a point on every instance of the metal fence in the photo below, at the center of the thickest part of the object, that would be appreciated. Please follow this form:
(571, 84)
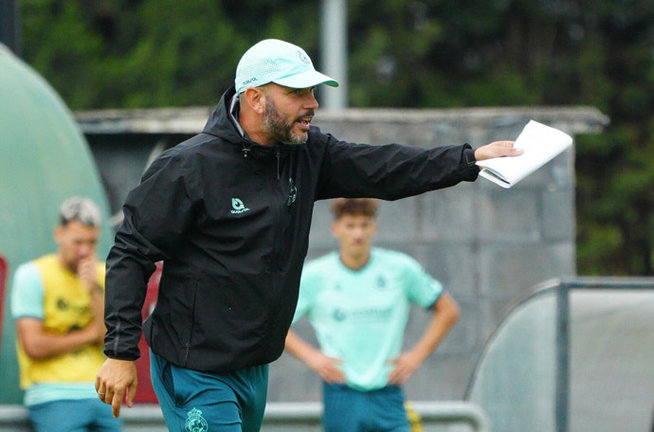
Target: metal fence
(286, 417)
(608, 289)
(576, 355)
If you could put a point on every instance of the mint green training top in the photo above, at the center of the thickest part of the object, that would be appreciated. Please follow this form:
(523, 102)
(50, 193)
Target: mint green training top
(360, 315)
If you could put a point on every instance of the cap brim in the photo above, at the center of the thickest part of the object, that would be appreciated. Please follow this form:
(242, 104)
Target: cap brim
(306, 79)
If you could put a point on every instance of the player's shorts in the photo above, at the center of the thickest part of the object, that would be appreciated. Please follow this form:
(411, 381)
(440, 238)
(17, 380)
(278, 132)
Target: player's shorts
(351, 410)
(73, 415)
(193, 401)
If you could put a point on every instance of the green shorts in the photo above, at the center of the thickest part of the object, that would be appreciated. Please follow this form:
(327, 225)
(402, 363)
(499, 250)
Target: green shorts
(73, 415)
(193, 401)
(351, 410)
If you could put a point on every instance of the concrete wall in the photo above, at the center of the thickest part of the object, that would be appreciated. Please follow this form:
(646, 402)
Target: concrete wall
(487, 245)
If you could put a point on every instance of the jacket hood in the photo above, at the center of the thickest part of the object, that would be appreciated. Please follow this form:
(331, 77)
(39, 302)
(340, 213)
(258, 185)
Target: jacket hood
(220, 122)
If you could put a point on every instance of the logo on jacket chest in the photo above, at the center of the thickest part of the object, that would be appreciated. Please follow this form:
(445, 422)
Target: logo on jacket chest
(238, 207)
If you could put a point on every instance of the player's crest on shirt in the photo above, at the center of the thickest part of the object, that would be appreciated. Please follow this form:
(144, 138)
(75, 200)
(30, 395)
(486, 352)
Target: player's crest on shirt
(381, 282)
(338, 315)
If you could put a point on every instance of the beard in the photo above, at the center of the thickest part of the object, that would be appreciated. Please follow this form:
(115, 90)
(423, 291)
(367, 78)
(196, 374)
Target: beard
(281, 129)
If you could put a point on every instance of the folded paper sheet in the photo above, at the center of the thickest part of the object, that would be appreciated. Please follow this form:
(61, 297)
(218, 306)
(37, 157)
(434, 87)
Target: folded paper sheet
(540, 143)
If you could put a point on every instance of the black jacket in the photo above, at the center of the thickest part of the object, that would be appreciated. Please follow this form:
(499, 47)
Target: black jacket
(230, 219)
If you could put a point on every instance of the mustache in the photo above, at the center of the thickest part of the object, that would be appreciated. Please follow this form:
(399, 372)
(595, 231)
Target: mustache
(311, 113)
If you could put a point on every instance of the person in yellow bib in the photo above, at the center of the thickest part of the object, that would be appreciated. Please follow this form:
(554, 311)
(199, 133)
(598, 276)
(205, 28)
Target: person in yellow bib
(57, 304)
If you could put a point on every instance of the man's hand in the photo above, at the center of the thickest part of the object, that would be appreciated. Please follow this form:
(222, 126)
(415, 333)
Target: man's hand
(327, 367)
(87, 272)
(497, 149)
(117, 380)
(405, 365)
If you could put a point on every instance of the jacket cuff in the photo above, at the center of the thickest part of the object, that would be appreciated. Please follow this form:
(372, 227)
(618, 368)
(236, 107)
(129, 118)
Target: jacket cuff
(468, 156)
(468, 163)
(122, 356)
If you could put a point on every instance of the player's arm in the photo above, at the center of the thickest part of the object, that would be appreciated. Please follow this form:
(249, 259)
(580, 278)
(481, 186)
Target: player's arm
(87, 272)
(325, 366)
(446, 313)
(39, 344)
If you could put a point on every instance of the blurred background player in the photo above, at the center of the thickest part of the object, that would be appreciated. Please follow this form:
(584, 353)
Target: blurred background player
(57, 303)
(358, 301)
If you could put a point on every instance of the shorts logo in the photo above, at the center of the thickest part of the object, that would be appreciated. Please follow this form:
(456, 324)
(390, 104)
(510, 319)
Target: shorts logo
(195, 422)
(238, 207)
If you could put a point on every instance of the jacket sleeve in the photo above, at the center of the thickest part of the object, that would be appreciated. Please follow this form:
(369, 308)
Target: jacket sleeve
(156, 216)
(391, 171)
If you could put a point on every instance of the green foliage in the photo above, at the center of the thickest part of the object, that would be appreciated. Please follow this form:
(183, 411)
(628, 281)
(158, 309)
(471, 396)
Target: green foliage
(402, 53)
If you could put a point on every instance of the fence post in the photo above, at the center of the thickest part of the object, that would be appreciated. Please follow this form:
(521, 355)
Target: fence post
(562, 356)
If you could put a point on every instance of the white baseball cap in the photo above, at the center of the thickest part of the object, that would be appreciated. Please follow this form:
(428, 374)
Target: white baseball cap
(273, 60)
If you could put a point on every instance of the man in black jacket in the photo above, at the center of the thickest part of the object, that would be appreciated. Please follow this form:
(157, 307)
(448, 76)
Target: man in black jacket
(229, 212)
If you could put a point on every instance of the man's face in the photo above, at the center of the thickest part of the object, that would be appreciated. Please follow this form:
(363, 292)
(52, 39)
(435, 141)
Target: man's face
(75, 241)
(289, 113)
(354, 234)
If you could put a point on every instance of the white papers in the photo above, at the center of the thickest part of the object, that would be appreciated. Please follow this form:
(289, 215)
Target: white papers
(540, 144)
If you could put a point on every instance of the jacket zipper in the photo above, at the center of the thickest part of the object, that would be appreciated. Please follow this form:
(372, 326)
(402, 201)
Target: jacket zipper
(279, 206)
(188, 341)
(278, 156)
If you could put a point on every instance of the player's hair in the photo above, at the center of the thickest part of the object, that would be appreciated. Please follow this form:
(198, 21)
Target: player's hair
(81, 210)
(354, 206)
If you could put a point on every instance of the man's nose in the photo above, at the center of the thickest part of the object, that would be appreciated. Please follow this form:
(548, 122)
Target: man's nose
(312, 102)
(85, 250)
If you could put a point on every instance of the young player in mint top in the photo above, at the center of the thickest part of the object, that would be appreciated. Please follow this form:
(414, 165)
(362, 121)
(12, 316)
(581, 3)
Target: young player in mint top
(358, 301)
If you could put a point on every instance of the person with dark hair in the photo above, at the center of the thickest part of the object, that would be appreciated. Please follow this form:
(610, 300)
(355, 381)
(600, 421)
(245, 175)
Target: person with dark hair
(358, 301)
(229, 211)
(57, 304)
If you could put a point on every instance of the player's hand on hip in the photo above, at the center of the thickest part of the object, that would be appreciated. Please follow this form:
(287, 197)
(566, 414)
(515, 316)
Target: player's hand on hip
(117, 381)
(497, 149)
(405, 365)
(328, 368)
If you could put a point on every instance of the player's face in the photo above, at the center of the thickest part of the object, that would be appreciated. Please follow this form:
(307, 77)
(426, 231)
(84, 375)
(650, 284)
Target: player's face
(288, 113)
(354, 234)
(75, 241)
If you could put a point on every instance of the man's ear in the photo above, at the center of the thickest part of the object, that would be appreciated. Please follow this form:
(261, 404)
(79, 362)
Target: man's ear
(334, 228)
(57, 233)
(255, 98)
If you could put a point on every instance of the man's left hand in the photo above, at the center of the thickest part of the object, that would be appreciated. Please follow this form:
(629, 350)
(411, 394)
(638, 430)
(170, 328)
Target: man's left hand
(117, 381)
